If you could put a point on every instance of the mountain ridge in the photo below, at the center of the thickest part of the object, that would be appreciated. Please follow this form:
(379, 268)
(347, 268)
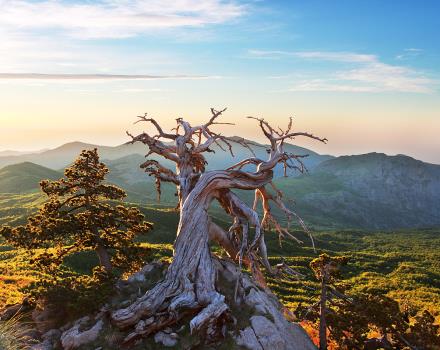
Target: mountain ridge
(372, 190)
(61, 156)
(23, 177)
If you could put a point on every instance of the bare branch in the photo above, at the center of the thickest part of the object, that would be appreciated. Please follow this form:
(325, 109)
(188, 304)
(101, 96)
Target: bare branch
(158, 127)
(294, 134)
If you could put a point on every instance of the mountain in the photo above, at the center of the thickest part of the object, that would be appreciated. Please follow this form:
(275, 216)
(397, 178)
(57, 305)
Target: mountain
(372, 191)
(8, 153)
(64, 155)
(23, 177)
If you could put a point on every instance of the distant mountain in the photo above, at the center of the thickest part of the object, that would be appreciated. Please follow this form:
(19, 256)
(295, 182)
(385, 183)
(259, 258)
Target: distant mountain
(64, 155)
(8, 153)
(23, 177)
(372, 191)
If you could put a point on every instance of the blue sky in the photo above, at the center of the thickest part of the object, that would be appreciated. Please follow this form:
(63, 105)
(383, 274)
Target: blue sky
(365, 74)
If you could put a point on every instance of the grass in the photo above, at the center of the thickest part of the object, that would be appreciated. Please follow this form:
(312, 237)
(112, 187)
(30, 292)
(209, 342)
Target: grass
(13, 334)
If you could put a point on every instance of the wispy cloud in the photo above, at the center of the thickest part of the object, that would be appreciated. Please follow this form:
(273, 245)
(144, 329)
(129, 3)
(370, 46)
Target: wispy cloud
(320, 55)
(58, 36)
(409, 53)
(42, 76)
(365, 73)
(114, 18)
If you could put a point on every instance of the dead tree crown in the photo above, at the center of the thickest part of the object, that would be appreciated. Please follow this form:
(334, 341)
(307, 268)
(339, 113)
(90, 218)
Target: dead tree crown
(189, 285)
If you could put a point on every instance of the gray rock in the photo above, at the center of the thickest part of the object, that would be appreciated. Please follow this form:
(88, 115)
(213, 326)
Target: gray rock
(165, 339)
(74, 337)
(50, 340)
(248, 339)
(53, 334)
(42, 346)
(267, 334)
(269, 328)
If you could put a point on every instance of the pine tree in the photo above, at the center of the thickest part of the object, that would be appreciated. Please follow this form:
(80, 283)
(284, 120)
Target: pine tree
(82, 213)
(326, 270)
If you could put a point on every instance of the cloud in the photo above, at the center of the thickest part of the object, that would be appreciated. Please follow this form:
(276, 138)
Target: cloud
(42, 76)
(365, 73)
(409, 53)
(384, 77)
(63, 36)
(413, 50)
(319, 55)
(329, 85)
(114, 18)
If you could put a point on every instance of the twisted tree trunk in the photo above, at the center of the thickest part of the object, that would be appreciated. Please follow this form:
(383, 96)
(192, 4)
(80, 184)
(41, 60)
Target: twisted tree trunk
(190, 281)
(189, 286)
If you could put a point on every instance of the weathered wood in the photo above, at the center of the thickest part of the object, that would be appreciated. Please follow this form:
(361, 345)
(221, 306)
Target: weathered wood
(189, 284)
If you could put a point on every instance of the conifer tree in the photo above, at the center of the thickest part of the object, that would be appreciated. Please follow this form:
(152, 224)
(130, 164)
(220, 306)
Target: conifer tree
(81, 214)
(326, 270)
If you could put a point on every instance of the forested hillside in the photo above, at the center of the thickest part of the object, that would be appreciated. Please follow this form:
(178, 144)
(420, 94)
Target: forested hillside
(371, 191)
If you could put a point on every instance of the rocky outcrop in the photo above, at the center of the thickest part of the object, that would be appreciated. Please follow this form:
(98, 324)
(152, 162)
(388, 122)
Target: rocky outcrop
(256, 319)
(268, 328)
(77, 336)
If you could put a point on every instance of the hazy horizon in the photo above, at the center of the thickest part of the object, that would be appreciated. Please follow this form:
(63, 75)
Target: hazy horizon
(366, 77)
(312, 148)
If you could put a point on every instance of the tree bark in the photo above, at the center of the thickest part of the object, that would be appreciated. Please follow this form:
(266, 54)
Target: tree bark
(322, 315)
(189, 284)
(190, 280)
(104, 258)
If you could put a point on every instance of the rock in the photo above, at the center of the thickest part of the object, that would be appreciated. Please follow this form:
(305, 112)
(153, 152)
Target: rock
(140, 276)
(248, 339)
(52, 335)
(269, 328)
(257, 311)
(267, 334)
(42, 346)
(256, 300)
(50, 340)
(165, 339)
(74, 337)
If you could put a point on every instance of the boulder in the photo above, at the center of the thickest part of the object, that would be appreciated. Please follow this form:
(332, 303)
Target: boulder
(77, 336)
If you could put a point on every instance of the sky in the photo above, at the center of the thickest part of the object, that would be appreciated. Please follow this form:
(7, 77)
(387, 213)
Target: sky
(365, 74)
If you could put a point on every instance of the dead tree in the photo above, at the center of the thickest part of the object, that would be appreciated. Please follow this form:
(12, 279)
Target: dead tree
(189, 286)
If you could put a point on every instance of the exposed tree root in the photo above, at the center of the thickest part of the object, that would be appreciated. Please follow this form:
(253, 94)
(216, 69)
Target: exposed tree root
(189, 286)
